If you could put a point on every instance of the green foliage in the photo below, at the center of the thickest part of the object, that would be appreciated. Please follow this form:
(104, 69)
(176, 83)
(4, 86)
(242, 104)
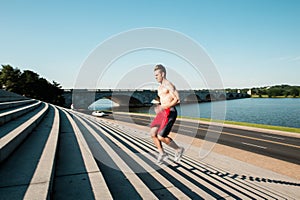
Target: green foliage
(295, 91)
(31, 85)
(9, 78)
(277, 91)
(283, 90)
(273, 92)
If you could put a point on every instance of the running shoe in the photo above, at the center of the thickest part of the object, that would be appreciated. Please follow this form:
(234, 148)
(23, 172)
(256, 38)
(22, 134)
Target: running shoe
(162, 157)
(178, 154)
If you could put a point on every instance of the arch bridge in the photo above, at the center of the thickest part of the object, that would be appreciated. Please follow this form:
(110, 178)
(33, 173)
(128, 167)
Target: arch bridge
(82, 98)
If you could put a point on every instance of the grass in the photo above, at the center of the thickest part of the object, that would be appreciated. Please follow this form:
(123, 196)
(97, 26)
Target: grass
(264, 126)
(257, 96)
(270, 127)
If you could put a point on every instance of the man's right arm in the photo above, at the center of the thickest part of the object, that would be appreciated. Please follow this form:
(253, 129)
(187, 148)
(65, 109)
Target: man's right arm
(174, 95)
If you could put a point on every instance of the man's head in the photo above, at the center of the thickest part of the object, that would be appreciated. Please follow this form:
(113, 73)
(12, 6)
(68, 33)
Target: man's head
(159, 72)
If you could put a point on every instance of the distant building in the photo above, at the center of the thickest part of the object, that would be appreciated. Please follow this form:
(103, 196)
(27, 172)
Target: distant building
(249, 92)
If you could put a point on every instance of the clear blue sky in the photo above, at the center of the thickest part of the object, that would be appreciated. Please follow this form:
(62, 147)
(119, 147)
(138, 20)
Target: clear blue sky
(253, 43)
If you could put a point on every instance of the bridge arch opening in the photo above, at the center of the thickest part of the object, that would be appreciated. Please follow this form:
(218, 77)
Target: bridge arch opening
(104, 104)
(208, 97)
(222, 97)
(192, 98)
(230, 96)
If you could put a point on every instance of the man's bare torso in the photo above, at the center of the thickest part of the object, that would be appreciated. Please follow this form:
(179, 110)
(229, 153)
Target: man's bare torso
(167, 94)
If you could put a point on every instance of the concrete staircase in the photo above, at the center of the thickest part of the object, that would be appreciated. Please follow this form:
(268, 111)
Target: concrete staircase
(48, 152)
(6, 96)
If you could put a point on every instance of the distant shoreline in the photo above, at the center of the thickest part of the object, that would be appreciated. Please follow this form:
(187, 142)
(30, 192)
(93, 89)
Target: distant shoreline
(266, 96)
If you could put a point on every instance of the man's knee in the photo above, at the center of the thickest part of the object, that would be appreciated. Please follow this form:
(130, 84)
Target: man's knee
(153, 132)
(165, 140)
(160, 137)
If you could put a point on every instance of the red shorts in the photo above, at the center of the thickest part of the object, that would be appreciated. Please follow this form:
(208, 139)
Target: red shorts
(164, 120)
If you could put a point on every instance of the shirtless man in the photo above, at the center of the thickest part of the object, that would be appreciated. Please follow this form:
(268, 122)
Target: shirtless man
(166, 114)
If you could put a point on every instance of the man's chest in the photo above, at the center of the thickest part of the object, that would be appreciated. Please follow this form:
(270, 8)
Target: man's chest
(162, 91)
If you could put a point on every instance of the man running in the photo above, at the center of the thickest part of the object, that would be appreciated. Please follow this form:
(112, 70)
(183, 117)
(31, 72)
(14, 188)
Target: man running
(166, 114)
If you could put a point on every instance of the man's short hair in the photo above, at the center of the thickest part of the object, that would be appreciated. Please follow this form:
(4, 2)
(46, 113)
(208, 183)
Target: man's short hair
(161, 68)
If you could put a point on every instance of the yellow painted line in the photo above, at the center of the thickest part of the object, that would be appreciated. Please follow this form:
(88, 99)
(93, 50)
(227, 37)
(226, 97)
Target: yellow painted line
(232, 134)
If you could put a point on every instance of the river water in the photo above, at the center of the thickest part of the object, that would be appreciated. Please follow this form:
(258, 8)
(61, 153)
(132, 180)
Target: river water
(269, 111)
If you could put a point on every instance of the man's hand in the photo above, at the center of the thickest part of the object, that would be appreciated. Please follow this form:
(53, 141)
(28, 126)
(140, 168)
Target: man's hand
(158, 108)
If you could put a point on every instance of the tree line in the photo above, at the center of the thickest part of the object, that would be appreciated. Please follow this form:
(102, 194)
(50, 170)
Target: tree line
(31, 85)
(273, 91)
(278, 91)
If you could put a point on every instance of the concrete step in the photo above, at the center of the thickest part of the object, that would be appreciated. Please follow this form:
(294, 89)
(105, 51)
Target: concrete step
(27, 172)
(13, 104)
(6, 96)
(116, 171)
(13, 124)
(13, 113)
(11, 140)
(77, 175)
(40, 186)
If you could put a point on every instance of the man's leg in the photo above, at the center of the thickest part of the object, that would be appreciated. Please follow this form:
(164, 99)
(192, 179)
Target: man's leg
(168, 141)
(157, 142)
(161, 154)
(171, 143)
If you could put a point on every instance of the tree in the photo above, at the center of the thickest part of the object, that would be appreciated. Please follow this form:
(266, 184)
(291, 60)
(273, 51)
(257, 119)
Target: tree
(30, 80)
(275, 91)
(295, 91)
(30, 85)
(287, 93)
(9, 78)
